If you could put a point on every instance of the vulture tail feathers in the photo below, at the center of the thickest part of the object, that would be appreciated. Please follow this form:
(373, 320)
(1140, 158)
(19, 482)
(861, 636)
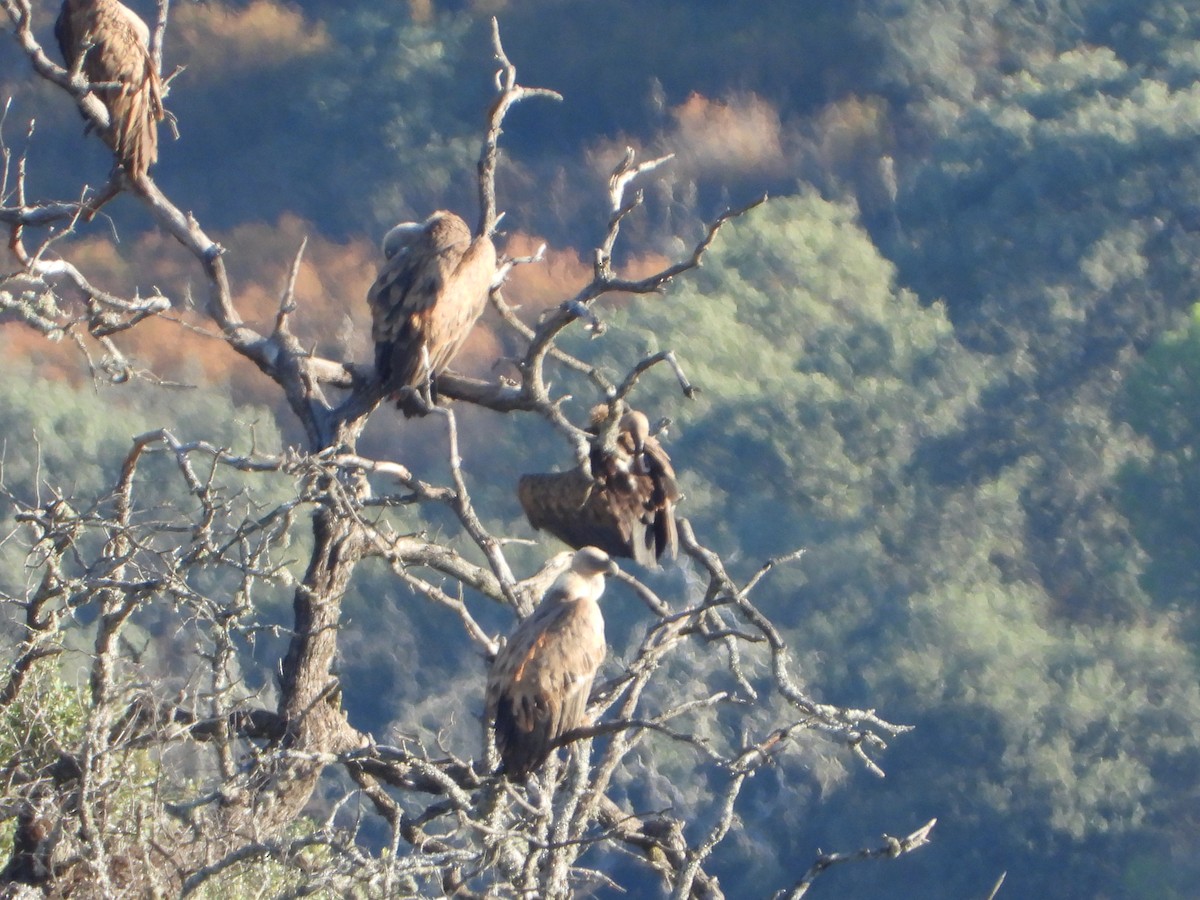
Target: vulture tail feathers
(520, 751)
(642, 542)
(666, 534)
(136, 113)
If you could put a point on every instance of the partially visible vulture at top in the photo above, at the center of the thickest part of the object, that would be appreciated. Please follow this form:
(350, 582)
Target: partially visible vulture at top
(626, 508)
(538, 685)
(114, 44)
(431, 289)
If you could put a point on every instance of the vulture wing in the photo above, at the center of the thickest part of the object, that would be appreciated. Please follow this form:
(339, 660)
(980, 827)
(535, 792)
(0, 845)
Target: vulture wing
(427, 298)
(627, 510)
(577, 511)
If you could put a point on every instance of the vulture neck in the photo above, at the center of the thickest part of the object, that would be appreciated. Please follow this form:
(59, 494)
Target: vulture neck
(573, 587)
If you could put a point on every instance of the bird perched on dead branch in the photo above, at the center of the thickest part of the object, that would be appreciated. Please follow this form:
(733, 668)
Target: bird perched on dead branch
(111, 45)
(427, 297)
(626, 507)
(539, 683)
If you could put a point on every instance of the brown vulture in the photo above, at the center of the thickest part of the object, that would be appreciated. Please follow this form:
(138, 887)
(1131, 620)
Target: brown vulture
(114, 44)
(432, 287)
(627, 507)
(538, 685)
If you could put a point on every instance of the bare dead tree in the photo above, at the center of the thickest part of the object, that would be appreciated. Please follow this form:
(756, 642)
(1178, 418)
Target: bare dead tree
(166, 787)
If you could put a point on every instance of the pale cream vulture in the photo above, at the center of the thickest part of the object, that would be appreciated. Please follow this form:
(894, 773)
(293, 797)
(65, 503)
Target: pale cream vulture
(114, 44)
(627, 507)
(538, 685)
(431, 289)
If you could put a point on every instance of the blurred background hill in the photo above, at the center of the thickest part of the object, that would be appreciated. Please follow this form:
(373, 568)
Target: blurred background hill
(956, 358)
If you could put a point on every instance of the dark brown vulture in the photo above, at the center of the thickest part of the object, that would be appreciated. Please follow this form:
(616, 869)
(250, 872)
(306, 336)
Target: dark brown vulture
(115, 46)
(627, 507)
(432, 287)
(538, 685)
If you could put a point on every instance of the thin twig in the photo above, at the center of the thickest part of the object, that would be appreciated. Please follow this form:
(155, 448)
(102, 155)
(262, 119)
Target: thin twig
(892, 848)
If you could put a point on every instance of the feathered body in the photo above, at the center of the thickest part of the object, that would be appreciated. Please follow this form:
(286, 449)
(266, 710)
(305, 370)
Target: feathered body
(627, 507)
(539, 683)
(114, 44)
(432, 288)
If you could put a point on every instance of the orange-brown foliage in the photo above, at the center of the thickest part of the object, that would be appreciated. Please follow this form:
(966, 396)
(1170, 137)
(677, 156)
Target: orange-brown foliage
(853, 128)
(330, 289)
(740, 136)
(560, 274)
(537, 286)
(331, 317)
(51, 359)
(421, 11)
(722, 139)
(213, 39)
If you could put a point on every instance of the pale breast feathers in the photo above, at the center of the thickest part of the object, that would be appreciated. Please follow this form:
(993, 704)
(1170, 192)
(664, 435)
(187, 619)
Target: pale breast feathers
(550, 655)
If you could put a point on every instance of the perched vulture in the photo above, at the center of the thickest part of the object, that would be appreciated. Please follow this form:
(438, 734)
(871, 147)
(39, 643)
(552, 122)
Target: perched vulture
(627, 507)
(115, 46)
(538, 685)
(432, 287)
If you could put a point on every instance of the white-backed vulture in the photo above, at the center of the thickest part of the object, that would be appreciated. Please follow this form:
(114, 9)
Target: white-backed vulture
(538, 685)
(627, 507)
(431, 289)
(114, 44)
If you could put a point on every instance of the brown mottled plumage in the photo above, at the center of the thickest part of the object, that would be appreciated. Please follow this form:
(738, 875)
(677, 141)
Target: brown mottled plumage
(538, 685)
(428, 295)
(114, 44)
(627, 508)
